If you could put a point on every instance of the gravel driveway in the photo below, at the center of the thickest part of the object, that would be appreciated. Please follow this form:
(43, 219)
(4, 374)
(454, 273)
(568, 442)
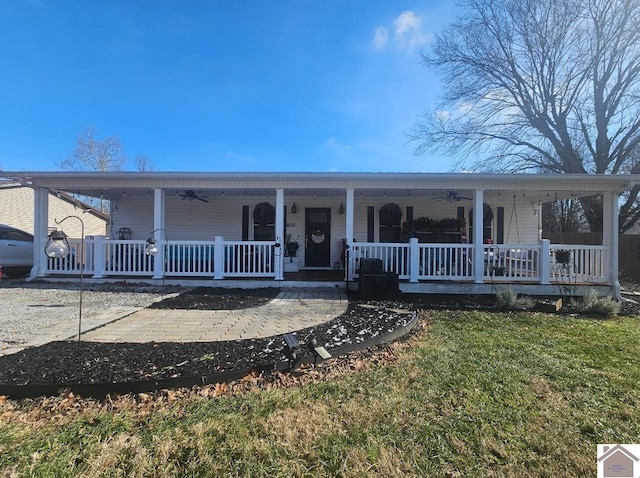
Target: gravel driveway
(29, 309)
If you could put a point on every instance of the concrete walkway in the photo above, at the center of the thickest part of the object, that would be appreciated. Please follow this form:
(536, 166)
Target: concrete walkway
(291, 310)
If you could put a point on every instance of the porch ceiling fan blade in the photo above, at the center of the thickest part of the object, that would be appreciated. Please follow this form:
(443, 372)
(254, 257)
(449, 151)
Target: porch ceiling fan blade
(451, 196)
(190, 195)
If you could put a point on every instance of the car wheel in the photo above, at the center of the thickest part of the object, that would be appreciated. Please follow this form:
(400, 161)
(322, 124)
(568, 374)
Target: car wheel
(16, 272)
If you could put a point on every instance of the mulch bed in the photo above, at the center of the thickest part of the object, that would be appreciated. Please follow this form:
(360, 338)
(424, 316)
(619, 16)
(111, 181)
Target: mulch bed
(70, 362)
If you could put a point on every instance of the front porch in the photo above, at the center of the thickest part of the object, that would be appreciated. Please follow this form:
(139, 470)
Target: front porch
(444, 233)
(542, 268)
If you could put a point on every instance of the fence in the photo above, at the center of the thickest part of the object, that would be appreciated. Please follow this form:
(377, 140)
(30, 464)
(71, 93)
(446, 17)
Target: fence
(629, 256)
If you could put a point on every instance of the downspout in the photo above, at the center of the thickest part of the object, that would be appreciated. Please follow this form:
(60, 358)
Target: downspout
(349, 233)
(40, 231)
(611, 212)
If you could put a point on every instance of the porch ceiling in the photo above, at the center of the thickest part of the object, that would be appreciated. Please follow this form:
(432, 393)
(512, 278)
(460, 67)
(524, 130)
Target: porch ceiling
(461, 196)
(535, 187)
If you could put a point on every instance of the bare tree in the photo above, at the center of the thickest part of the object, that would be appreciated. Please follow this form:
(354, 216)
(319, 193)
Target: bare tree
(143, 163)
(546, 85)
(563, 215)
(91, 154)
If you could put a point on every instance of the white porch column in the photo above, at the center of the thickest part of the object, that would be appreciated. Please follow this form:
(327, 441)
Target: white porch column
(158, 223)
(278, 251)
(40, 232)
(478, 229)
(349, 231)
(610, 232)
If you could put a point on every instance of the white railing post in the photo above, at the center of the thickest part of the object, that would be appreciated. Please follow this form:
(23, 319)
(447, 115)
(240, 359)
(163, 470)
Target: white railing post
(414, 259)
(545, 261)
(218, 258)
(98, 256)
(278, 261)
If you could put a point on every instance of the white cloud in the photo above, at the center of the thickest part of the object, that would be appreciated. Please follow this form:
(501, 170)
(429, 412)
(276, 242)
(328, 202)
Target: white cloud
(333, 144)
(442, 115)
(408, 31)
(380, 38)
(338, 148)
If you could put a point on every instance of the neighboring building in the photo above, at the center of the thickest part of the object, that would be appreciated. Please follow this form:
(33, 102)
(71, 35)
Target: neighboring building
(17, 210)
(422, 227)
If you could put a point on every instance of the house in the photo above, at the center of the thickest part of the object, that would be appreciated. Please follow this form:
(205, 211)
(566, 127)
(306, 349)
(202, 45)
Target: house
(230, 228)
(618, 462)
(17, 210)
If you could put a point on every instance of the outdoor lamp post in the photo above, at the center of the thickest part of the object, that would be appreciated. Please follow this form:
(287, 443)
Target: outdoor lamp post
(57, 247)
(152, 249)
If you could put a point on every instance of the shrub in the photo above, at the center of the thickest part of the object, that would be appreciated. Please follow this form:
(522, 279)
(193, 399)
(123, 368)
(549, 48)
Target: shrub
(592, 304)
(507, 299)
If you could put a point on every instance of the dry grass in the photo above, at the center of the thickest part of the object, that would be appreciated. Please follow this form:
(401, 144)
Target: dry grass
(474, 394)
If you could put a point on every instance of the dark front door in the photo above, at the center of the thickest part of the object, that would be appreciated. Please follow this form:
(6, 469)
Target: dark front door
(317, 237)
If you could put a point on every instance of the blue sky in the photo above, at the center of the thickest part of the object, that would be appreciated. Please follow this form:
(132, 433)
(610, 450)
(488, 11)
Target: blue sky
(246, 85)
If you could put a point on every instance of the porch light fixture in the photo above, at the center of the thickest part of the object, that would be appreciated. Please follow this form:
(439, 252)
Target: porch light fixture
(57, 247)
(294, 209)
(341, 209)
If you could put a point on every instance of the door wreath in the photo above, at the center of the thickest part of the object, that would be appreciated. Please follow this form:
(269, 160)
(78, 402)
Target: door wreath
(317, 236)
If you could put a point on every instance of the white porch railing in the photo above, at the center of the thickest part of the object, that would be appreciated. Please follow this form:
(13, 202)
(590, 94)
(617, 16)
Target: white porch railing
(249, 259)
(579, 263)
(501, 262)
(125, 258)
(445, 262)
(104, 257)
(513, 262)
(539, 263)
(73, 262)
(188, 258)
(394, 256)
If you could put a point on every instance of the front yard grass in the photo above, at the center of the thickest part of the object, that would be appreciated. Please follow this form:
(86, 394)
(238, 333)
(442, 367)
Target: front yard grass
(476, 394)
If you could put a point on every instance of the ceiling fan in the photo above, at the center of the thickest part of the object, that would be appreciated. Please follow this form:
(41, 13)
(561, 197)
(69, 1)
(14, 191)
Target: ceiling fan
(452, 196)
(190, 195)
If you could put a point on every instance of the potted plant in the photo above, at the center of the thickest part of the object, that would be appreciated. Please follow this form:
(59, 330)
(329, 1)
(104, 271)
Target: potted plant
(292, 248)
(563, 256)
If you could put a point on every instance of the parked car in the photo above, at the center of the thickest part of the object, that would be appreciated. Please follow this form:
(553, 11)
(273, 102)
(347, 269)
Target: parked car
(16, 251)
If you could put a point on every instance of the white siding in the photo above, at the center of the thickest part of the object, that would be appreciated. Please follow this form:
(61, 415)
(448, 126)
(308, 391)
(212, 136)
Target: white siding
(222, 216)
(520, 220)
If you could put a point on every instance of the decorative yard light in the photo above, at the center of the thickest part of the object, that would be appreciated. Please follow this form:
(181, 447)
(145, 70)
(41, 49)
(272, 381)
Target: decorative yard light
(58, 247)
(151, 249)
